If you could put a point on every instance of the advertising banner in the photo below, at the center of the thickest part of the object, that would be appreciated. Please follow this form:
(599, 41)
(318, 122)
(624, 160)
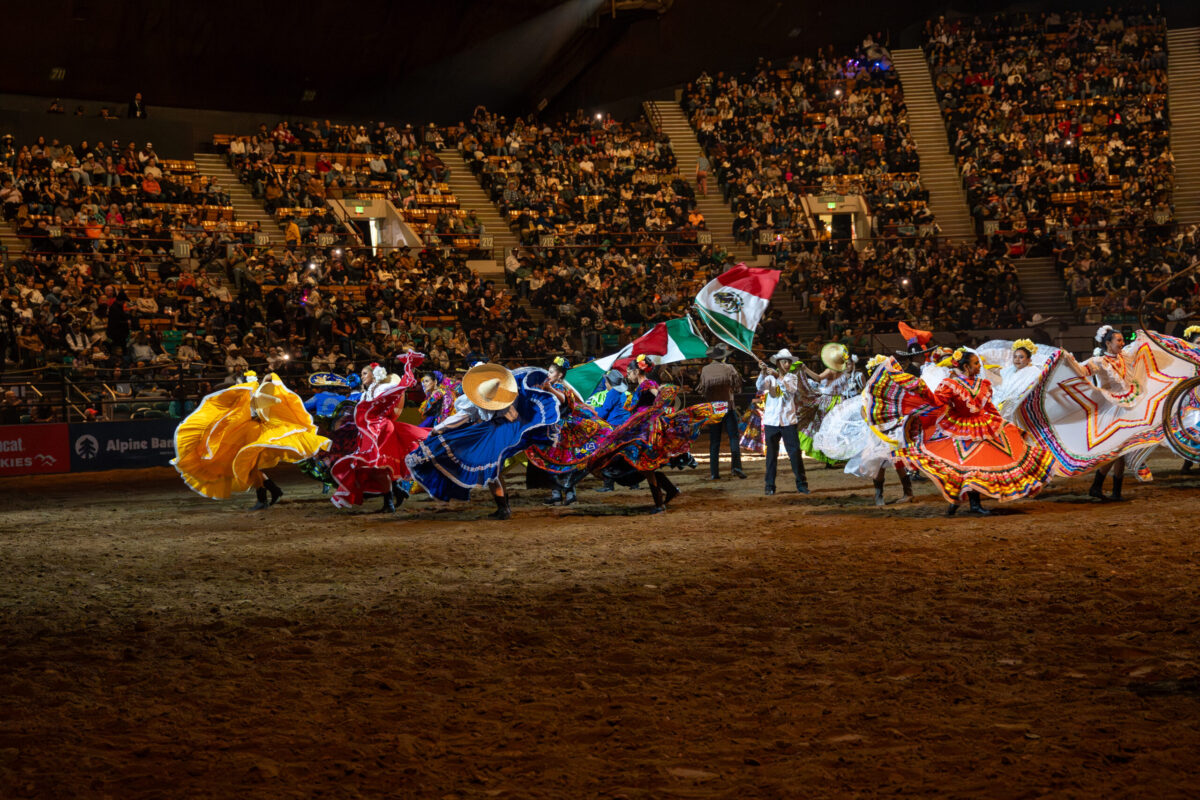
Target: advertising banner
(33, 449)
(122, 445)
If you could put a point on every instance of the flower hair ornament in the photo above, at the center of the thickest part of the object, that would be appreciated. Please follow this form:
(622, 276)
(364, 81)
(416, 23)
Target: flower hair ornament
(1026, 345)
(561, 363)
(1191, 331)
(875, 361)
(644, 363)
(1103, 331)
(377, 372)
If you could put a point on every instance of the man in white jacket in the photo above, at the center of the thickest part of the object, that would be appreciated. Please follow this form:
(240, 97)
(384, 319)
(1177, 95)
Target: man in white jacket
(779, 418)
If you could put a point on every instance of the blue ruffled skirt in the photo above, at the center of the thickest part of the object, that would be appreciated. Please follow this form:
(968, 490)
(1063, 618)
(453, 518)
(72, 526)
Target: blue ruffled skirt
(450, 463)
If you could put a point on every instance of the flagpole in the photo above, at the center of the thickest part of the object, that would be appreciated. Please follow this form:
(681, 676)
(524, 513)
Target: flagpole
(711, 321)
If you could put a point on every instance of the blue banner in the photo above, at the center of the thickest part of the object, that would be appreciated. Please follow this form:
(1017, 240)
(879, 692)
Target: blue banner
(122, 445)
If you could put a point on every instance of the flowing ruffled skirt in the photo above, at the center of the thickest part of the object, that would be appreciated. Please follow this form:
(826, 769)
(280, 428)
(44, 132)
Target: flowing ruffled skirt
(449, 463)
(652, 436)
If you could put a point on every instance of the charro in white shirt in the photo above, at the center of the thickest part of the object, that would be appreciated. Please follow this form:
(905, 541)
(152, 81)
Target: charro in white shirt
(780, 405)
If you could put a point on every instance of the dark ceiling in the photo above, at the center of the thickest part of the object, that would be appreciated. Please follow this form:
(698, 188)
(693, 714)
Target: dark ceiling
(417, 60)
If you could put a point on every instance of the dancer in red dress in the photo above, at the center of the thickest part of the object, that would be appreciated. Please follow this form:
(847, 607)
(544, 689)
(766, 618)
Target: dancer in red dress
(377, 464)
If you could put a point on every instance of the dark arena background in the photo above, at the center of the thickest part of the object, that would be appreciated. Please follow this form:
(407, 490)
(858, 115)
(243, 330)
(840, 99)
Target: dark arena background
(195, 192)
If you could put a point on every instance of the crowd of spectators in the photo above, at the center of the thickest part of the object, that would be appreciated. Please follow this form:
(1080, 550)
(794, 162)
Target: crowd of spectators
(295, 170)
(1057, 121)
(583, 180)
(824, 125)
(1108, 277)
(940, 287)
(112, 202)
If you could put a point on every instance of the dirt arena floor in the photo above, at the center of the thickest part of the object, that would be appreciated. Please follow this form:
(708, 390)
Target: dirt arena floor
(157, 645)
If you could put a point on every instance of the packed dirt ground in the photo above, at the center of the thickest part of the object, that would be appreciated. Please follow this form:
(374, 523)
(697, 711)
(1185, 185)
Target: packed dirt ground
(158, 645)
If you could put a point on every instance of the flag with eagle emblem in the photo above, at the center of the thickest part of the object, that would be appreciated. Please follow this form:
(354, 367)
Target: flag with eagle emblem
(732, 304)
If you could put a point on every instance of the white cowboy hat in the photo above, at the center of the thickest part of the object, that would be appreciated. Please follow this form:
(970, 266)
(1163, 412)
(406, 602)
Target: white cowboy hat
(782, 354)
(1038, 319)
(490, 386)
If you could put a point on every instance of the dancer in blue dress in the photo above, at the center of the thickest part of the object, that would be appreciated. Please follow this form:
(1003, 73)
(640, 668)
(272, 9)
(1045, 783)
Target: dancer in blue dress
(499, 414)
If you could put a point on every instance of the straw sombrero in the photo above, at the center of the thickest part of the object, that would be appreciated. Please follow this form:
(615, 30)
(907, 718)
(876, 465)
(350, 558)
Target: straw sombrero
(490, 386)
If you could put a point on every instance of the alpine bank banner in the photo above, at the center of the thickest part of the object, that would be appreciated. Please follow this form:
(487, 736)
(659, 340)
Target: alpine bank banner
(122, 445)
(34, 449)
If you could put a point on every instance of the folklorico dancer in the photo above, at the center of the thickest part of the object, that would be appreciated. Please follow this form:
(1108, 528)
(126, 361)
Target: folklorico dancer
(837, 382)
(579, 427)
(609, 404)
(960, 442)
(847, 436)
(1020, 368)
(499, 414)
(719, 383)
(653, 435)
(236, 434)
(1128, 398)
(376, 467)
(332, 410)
(780, 387)
(752, 426)
(439, 400)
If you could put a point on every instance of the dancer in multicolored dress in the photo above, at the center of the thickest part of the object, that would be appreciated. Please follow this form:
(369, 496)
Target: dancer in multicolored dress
(647, 441)
(439, 400)
(752, 427)
(959, 440)
(837, 382)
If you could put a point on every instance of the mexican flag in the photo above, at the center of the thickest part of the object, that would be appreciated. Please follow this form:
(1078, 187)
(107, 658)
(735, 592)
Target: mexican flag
(732, 305)
(675, 340)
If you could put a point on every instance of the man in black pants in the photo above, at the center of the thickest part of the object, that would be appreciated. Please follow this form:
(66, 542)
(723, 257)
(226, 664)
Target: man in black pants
(780, 387)
(719, 382)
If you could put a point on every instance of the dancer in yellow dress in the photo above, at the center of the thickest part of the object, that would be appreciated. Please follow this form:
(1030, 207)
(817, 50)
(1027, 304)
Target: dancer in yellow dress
(236, 434)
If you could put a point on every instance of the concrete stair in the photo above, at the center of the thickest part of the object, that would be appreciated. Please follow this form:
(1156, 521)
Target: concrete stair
(718, 216)
(245, 206)
(1183, 95)
(939, 172)
(471, 196)
(1041, 288)
(12, 244)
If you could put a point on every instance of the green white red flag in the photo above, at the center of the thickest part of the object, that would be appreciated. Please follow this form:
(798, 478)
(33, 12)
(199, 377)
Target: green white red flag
(732, 304)
(666, 342)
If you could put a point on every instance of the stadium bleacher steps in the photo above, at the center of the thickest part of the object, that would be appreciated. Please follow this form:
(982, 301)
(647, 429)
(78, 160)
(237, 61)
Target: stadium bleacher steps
(717, 214)
(1042, 289)
(12, 243)
(939, 173)
(245, 207)
(1183, 95)
(471, 196)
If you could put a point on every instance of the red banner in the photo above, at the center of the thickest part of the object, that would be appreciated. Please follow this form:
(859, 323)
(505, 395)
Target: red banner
(34, 449)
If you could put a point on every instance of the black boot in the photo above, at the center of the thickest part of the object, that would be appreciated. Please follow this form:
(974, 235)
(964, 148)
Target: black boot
(670, 491)
(976, 508)
(262, 503)
(554, 499)
(906, 485)
(801, 476)
(878, 491)
(952, 510)
(1097, 490)
(502, 510)
(399, 493)
(1116, 492)
(569, 497)
(1187, 467)
(609, 486)
(657, 493)
(275, 491)
(389, 504)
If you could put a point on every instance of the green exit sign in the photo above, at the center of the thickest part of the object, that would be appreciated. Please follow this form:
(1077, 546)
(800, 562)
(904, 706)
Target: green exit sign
(358, 209)
(831, 206)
